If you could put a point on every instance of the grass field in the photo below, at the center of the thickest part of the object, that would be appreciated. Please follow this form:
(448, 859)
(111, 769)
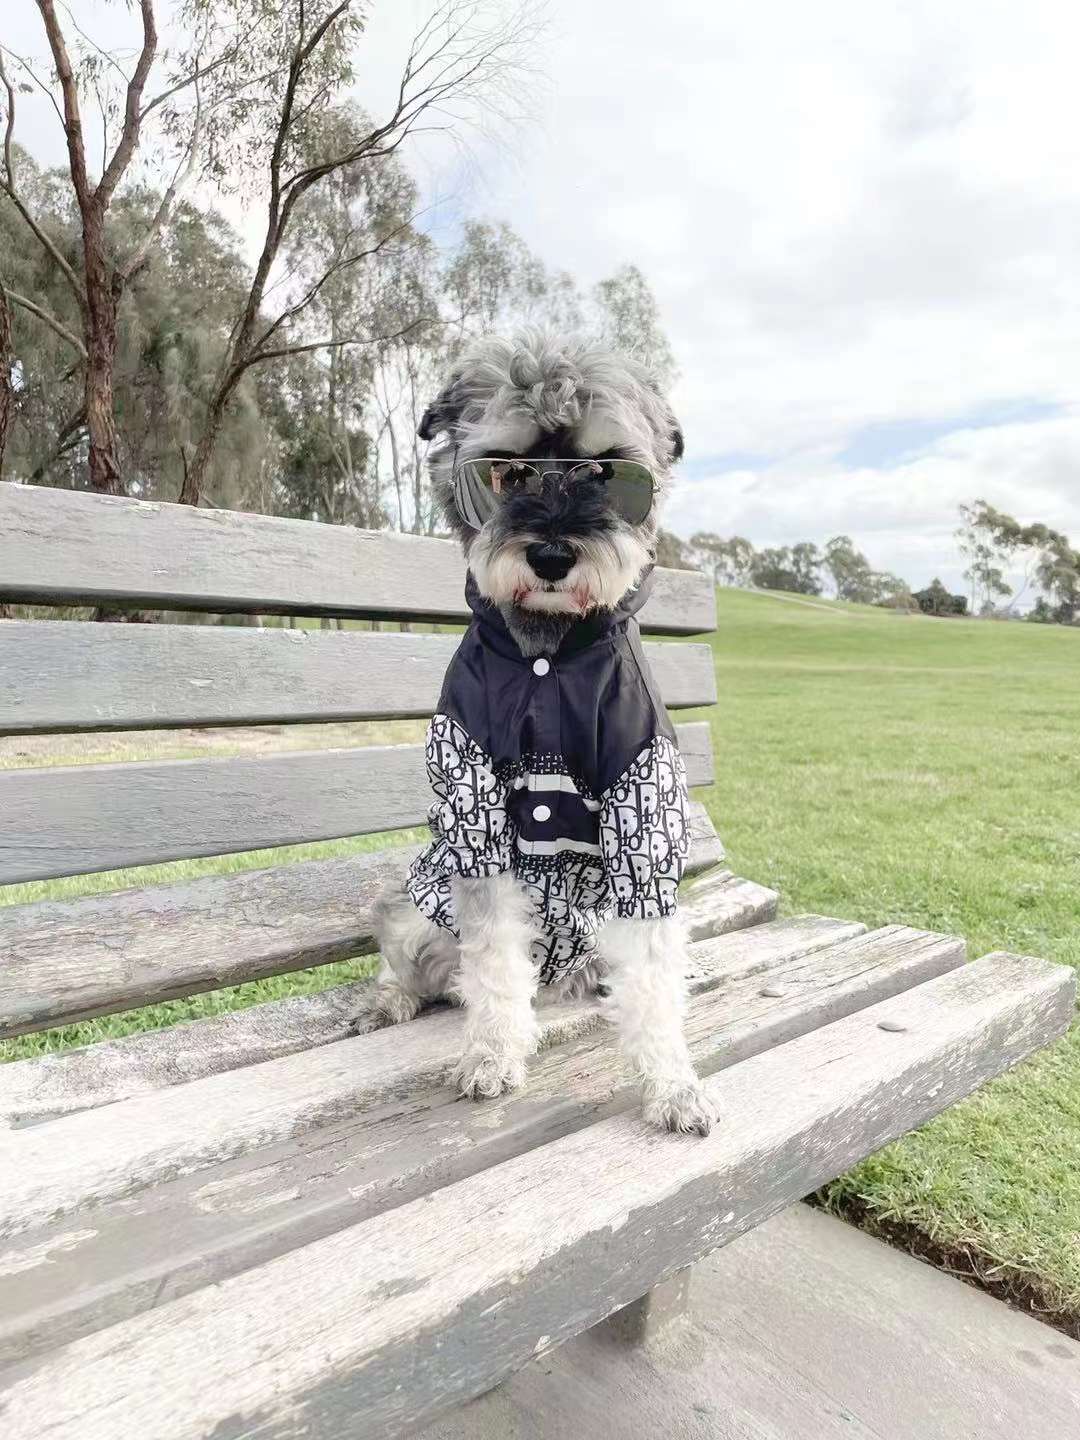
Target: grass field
(889, 769)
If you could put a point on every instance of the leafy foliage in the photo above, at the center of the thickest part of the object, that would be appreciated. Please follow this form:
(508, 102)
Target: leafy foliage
(993, 539)
(936, 600)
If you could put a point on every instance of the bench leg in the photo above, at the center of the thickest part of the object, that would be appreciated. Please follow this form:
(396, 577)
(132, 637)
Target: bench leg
(659, 1312)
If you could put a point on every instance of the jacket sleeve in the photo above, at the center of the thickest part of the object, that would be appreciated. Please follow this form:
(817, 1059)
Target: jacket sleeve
(472, 833)
(645, 832)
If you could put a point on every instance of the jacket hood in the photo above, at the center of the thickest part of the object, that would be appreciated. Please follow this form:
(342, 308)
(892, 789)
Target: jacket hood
(584, 632)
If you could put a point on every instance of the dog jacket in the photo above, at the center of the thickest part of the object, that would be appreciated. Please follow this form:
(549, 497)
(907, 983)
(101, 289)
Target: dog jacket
(562, 769)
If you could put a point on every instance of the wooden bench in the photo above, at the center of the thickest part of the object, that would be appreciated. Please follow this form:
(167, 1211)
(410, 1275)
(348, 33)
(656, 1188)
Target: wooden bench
(259, 1224)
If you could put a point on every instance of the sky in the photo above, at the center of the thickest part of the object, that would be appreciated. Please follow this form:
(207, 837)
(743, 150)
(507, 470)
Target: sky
(861, 222)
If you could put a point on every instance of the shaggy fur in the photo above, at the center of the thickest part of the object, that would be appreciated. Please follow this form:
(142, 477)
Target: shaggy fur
(538, 396)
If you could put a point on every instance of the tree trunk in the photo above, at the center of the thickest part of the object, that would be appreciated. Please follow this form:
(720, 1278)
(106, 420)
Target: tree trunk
(7, 390)
(396, 463)
(191, 490)
(103, 288)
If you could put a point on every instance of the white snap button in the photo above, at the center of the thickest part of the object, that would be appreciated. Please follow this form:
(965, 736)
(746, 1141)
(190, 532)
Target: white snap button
(519, 783)
(542, 812)
(541, 666)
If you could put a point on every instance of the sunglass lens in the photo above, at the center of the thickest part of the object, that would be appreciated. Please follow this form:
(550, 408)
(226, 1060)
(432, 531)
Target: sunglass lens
(630, 490)
(475, 494)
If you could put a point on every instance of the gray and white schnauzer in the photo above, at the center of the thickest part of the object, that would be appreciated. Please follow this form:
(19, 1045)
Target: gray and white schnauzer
(560, 818)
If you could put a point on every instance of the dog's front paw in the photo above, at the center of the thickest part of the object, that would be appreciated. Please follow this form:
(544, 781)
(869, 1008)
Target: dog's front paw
(483, 1074)
(684, 1108)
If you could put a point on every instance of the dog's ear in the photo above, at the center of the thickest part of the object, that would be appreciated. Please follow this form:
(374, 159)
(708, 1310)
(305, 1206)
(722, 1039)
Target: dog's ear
(665, 420)
(442, 413)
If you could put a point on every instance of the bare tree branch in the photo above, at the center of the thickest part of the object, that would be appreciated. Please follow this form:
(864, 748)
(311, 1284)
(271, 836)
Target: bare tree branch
(334, 344)
(25, 65)
(7, 389)
(105, 54)
(346, 263)
(53, 323)
(7, 186)
(179, 182)
(72, 116)
(450, 56)
(129, 136)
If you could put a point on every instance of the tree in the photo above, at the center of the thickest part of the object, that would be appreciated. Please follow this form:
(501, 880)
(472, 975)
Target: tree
(1042, 612)
(492, 280)
(807, 561)
(100, 274)
(730, 561)
(1059, 575)
(889, 590)
(249, 94)
(7, 386)
(359, 208)
(936, 600)
(307, 61)
(979, 541)
(772, 569)
(992, 539)
(673, 552)
(629, 320)
(850, 570)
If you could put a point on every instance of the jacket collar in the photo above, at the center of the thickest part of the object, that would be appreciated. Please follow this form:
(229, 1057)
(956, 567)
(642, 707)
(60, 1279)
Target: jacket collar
(587, 631)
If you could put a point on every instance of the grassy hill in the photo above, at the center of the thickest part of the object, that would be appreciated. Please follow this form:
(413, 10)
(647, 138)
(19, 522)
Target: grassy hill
(886, 768)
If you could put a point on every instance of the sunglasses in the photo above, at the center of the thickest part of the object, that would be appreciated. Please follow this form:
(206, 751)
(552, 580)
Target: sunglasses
(481, 485)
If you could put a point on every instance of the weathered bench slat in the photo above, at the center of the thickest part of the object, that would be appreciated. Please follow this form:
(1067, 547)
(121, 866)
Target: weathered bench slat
(52, 1169)
(66, 547)
(353, 1328)
(56, 675)
(73, 820)
(78, 1079)
(65, 960)
(246, 1211)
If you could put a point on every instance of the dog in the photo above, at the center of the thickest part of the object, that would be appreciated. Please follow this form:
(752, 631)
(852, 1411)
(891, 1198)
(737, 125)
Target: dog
(560, 817)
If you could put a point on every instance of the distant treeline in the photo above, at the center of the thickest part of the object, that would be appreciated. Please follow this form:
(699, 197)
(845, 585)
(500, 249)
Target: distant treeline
(803, 568)
(989, 540)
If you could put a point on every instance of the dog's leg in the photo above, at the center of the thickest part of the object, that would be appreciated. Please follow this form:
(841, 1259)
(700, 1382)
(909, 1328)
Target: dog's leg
(496, 981)
(418, 960)
(647, 960)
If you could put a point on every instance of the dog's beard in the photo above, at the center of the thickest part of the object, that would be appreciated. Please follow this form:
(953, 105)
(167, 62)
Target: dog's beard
(605, 568)
(538, 613)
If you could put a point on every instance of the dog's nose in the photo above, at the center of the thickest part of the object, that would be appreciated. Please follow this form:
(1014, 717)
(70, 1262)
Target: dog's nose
(552, 560)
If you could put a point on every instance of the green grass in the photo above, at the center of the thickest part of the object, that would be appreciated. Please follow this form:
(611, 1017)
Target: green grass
(890, 769)
(926, 772)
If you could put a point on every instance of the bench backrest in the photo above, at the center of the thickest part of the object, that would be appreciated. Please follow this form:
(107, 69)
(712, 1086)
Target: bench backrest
(61, 547)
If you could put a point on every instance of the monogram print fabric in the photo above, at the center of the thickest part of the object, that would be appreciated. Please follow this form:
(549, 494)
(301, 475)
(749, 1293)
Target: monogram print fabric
(580, 859)
(645, 833)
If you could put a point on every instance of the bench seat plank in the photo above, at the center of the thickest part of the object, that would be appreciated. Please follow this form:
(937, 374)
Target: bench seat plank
(54, 1169)
(149, 1247)
(387, 1323)
(79, 1079)
(66, 960)
(68, 547)
(59, 676)
(78, 819)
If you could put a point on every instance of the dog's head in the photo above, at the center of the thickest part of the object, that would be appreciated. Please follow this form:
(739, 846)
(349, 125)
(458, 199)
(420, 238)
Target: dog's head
(551, 460)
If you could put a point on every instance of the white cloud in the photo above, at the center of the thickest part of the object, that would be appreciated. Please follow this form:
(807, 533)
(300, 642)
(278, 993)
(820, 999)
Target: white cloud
(902, 516)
